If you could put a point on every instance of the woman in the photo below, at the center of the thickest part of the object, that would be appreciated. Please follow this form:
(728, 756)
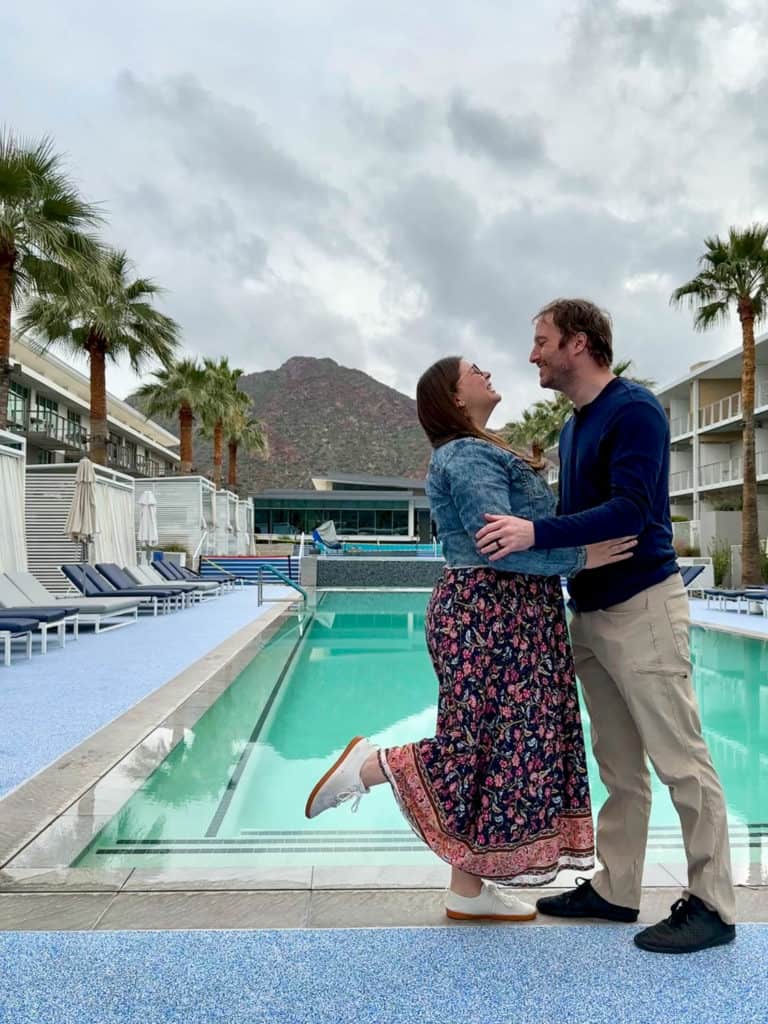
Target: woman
(500, 792)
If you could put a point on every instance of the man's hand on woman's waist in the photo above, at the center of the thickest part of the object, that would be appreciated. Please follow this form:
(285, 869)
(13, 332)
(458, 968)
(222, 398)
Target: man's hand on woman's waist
(504, 534)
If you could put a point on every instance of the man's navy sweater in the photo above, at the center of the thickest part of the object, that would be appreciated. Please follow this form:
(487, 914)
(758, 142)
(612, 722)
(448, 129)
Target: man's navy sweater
(614, 482)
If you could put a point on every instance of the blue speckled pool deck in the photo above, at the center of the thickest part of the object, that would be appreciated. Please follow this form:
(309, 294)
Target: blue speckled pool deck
(581, 975)
(53, 702)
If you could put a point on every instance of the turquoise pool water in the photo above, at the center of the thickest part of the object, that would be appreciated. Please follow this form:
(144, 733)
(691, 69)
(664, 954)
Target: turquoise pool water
(398, 550)
(232, 791)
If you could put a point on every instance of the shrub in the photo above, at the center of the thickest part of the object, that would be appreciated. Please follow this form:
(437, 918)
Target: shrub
(720, 552)
(683, 550)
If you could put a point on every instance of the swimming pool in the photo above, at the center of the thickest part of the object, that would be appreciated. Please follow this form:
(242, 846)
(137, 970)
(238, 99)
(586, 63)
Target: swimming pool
(394, 550)
(231, 792)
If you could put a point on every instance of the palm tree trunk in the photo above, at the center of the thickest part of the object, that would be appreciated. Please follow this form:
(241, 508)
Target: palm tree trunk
(232, 468)
(6, 277)
(750, 537)
(186, 420)
(99, 429)
(218, 439)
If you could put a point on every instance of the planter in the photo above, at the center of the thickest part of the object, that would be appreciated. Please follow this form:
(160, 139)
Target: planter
(177, 557)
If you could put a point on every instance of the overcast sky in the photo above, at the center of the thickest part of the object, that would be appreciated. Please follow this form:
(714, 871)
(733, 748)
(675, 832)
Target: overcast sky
(387, 184)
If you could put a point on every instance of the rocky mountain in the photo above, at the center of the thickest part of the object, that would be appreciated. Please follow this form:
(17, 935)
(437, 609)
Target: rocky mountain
(322, 417)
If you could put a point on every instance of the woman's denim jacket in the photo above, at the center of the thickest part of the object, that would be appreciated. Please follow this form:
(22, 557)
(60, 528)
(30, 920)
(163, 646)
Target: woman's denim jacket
(469, 477)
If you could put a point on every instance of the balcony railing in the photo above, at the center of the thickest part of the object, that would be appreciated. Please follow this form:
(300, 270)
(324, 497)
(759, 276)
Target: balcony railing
(731, 471)
(48, 430)
(681, 425)
(127, 460)
(727, 408)
(681, 481)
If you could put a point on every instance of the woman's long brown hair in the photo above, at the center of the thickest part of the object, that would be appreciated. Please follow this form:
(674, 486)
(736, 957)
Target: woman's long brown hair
(441, 418)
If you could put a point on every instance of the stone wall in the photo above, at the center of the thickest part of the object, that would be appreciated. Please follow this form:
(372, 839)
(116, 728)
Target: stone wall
(373, 572)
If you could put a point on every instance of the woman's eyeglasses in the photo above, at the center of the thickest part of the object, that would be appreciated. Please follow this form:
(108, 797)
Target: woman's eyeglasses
(474, 368)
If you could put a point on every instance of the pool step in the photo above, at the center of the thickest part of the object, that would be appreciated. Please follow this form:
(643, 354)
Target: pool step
(255, 841)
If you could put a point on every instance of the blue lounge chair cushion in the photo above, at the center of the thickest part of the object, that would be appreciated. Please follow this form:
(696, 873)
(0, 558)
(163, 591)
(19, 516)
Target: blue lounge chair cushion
(46, 615)
(690, 573)
(113, 573)
(18, 627)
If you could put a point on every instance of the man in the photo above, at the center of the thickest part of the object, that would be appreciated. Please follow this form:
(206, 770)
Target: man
(630, 635)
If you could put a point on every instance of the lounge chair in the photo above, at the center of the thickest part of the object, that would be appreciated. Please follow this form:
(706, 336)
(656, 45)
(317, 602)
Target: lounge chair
(16, 629)
(122, 582)
(142, 575)
(690, 573)
(181, 572)
(159, 567)
(50, 618)
(721, 597)
(92, 584)
(103, 613)
(758, 595)
(325, 537)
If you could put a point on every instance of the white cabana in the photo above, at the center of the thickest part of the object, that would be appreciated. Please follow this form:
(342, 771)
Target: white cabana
(50, 492)
(245, 541)
(226, 513)
(185, 514)
(13, 546)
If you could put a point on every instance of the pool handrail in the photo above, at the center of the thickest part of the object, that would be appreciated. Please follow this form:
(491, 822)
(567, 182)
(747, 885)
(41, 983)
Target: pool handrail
(260, 579)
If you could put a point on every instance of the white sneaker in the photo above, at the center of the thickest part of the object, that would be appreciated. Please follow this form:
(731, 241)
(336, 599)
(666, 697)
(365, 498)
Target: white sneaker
(342, 780)
(490, 905)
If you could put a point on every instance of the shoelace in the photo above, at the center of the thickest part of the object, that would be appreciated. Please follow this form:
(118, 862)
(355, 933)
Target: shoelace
(582, 886)
(355, 795)
(681, 911)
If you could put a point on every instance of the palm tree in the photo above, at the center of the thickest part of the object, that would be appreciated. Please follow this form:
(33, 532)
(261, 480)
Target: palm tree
(221, 398)
(43, 234)
(107, 317)
(539, 426)
(242, 431)
(177, 390)
(735, 272)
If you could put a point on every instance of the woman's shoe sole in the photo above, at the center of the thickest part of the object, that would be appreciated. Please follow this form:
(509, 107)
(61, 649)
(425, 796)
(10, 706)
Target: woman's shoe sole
(456, 915)
(319, 785)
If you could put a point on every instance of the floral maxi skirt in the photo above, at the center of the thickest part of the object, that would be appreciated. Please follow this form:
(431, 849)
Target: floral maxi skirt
(501, 790)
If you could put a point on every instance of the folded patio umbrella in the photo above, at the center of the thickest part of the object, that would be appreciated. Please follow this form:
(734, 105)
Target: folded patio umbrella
(146, 536)
(81, 521)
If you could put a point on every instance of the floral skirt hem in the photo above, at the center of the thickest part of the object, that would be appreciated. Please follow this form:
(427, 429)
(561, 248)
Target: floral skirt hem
(531, 862)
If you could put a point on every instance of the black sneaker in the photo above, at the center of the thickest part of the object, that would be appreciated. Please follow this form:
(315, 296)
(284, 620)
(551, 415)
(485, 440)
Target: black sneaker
(690, 927)
(584, 901)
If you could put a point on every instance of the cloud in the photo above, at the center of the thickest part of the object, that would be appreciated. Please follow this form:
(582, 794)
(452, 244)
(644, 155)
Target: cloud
(386, 188)
(406, 124)
(514, 143)
(219, 140)
(670, 35)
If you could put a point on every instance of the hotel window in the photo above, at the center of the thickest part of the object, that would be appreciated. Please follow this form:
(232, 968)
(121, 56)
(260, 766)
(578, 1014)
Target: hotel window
(18, 403)
(46, 409)
(75, 432)
(400, 522)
